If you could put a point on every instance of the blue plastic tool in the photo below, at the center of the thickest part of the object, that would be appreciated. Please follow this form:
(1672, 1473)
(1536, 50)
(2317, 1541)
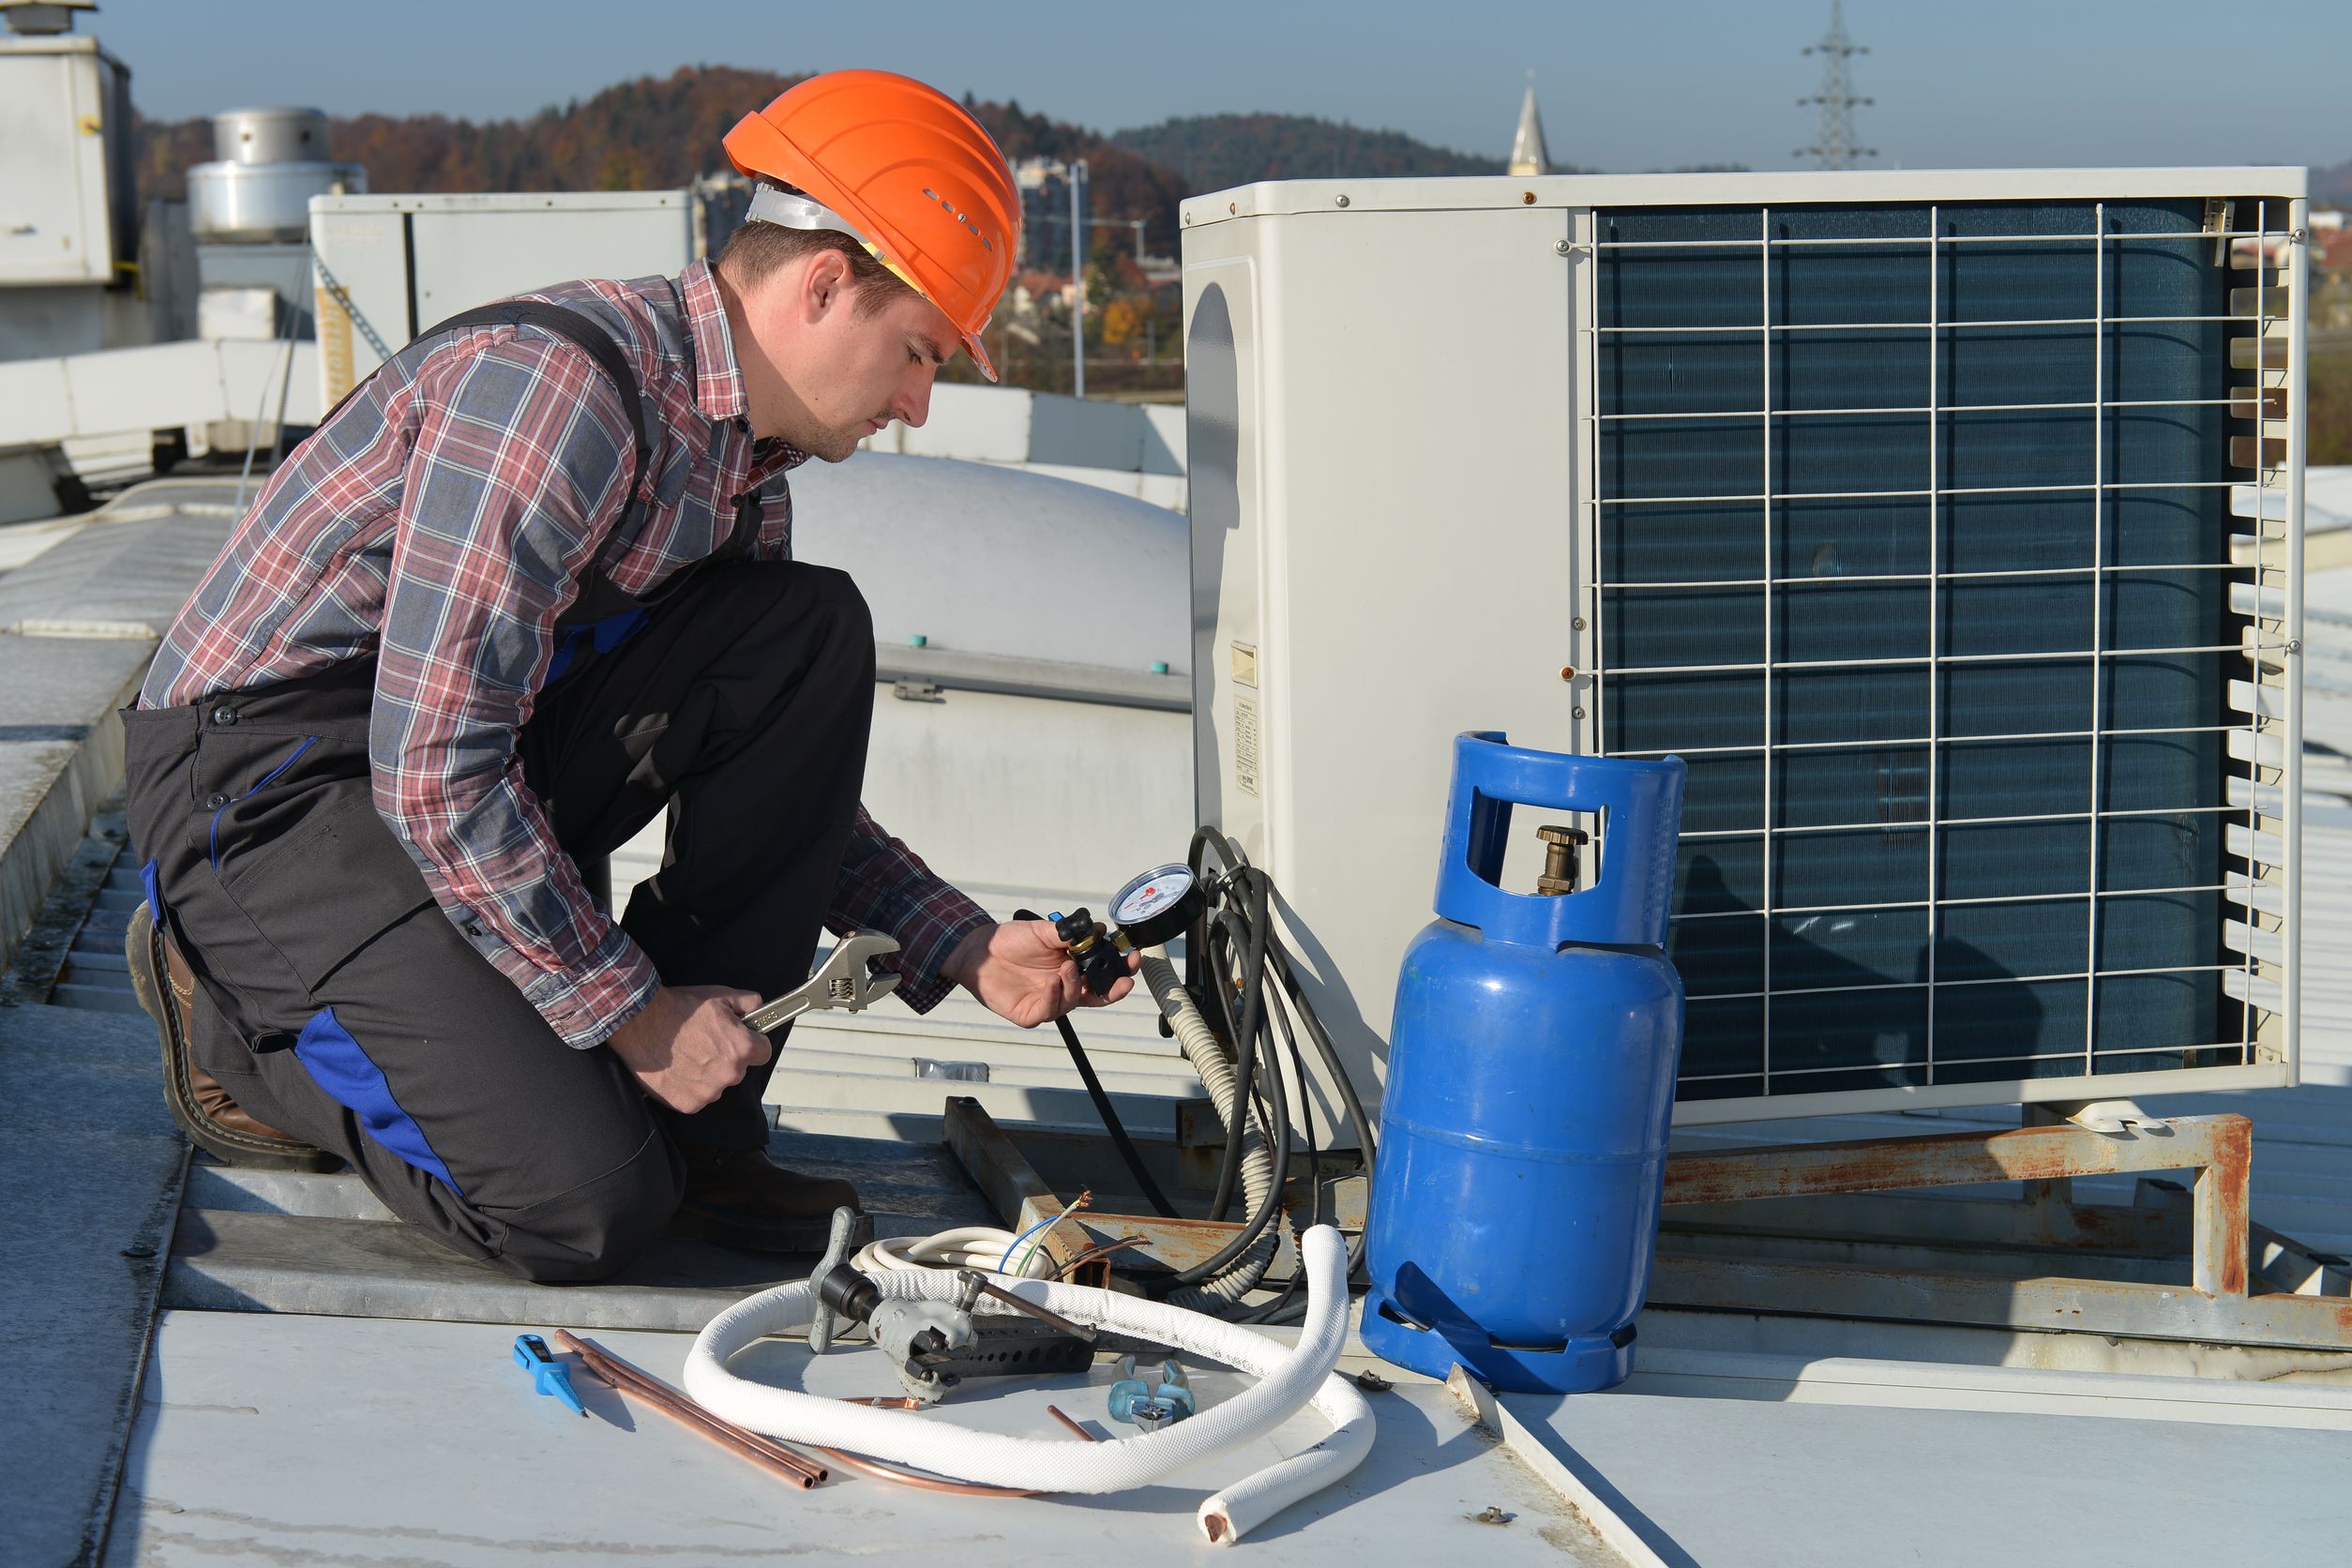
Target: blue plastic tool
(550, 1374)
(1531, 1079)
(1150, 1404)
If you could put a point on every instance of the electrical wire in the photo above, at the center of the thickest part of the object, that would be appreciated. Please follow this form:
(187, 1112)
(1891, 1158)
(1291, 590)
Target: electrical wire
(1005, 1264)
(1047, 1229)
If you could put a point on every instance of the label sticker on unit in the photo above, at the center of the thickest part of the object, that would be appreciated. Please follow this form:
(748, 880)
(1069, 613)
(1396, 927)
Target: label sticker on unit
(1245, 744)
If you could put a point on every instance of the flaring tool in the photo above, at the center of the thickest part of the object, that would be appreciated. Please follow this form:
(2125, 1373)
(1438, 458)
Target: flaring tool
(841, 981)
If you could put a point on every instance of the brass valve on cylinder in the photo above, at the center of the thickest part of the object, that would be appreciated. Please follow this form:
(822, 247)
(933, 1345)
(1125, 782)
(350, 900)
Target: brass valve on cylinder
(1560, 847)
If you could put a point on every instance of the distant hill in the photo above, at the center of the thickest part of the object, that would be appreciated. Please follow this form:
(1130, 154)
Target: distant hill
(1211, 152)
(646, 135)
(2332, 185)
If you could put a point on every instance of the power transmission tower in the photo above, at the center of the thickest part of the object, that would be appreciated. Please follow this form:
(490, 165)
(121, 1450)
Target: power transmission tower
(1833, 143)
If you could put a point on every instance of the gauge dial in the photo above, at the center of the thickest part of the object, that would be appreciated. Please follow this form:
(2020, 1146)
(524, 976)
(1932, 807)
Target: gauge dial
(1156, 905)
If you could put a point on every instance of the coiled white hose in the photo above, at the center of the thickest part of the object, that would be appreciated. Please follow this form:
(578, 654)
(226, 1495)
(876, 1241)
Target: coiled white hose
(1287, 1382)
(1208, 1059)
(970, 1246)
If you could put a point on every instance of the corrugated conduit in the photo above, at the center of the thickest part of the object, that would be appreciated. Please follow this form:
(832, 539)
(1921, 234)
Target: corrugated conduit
(1208, 1059)
(1287, 1382)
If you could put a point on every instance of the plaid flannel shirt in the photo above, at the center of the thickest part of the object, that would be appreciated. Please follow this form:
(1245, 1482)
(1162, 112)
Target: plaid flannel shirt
(441, 523)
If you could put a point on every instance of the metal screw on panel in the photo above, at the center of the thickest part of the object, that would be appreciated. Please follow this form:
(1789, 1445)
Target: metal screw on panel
(1578, 623)
(2293, 644)
(1575, 712)
(1561, 247)
(1343, 201)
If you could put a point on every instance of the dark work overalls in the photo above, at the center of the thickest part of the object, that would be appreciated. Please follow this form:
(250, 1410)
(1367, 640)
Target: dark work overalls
(336, 1000)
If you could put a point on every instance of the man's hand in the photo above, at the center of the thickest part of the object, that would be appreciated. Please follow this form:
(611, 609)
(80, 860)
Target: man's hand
(690, 1044)
(1021, 972)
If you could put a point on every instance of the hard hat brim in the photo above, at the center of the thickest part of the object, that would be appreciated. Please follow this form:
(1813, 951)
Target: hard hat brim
(979, 355)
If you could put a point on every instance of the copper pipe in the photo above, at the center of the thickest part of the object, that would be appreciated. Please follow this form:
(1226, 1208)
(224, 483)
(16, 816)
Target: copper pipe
(912, 1478)
(915, 1478)
(651, 1391)
(628, 1378)
(1096, 1254)
(1055, 1412)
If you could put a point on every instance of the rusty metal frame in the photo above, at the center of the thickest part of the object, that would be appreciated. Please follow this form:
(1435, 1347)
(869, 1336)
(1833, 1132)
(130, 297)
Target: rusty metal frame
(2214, 1304)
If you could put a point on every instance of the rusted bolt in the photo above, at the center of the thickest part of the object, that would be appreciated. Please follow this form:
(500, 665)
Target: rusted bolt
(1527, 200)
(1567, 672)
(1232, 206)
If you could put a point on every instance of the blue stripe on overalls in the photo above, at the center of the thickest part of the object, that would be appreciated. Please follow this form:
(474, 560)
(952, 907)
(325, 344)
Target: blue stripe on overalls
(598, 636)
(339, 1065)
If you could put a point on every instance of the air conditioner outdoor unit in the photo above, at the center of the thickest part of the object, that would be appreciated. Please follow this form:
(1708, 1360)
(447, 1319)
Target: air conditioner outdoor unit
(389, 266)
(1948, 525)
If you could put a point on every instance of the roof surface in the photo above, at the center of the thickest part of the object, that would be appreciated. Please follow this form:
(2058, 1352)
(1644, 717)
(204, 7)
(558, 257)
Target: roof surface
(320, 1386)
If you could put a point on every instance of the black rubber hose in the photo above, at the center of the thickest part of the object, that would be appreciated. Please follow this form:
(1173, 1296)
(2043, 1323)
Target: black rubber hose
(1272, 1201)
(1111, 1124)
(1323, 1048)
(1253, 979)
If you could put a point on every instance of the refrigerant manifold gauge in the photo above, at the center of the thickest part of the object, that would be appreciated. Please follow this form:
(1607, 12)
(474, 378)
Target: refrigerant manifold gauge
(1156, 905)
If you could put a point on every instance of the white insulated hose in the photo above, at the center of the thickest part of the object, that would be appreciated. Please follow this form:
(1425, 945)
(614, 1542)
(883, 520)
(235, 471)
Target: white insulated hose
(1287, 1382)
(970, 1246)
(1207, 1059)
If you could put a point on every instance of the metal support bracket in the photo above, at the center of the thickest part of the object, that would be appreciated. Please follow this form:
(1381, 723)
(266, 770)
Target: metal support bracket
(2213, 1305)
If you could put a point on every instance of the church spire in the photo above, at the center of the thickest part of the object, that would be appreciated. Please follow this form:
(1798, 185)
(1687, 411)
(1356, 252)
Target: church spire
(1528, 155)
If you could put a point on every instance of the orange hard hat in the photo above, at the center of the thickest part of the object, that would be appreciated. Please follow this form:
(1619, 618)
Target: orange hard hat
(912, 177)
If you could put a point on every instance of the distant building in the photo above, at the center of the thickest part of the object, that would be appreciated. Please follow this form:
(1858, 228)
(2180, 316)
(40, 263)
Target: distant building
(1528, 154)
(1044, 187)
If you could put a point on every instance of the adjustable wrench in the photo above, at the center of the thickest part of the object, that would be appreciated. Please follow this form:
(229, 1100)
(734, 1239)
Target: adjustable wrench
(841, 981)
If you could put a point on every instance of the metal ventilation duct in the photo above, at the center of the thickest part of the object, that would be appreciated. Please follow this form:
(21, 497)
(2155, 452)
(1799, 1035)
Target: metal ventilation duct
(269, 163)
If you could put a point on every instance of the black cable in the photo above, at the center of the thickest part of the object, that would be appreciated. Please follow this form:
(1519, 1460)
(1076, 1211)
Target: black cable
(1127, 1150)
(1366, 1139)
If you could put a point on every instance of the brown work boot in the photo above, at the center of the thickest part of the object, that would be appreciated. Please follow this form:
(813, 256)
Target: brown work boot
(739, 1198)
(166, 987)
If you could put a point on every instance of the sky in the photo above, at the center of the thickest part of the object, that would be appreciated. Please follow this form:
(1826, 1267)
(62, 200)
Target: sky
(1623, 86)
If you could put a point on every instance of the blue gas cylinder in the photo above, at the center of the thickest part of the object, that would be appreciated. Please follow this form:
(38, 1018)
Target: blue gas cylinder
(1530, 1083)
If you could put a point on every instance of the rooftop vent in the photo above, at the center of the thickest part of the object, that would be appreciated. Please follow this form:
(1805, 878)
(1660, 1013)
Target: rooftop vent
(40, 19)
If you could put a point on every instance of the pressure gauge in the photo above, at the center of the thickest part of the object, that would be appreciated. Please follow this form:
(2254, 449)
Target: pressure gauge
(1157, 904)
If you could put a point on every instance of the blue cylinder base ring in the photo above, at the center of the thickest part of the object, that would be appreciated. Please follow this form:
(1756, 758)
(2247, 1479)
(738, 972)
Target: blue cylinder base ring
(1585, 1364)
